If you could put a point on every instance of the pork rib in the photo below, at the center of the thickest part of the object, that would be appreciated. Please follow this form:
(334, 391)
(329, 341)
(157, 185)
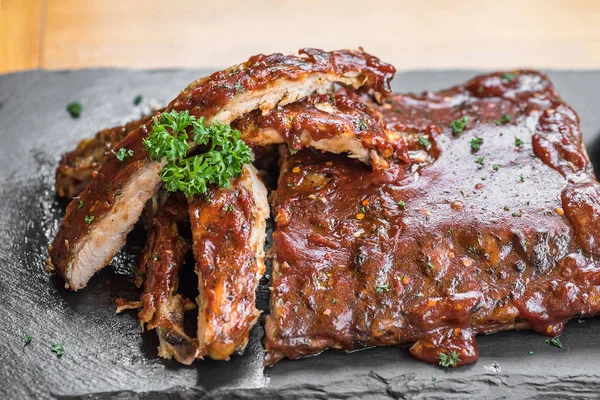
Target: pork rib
(76, 167)
(97, 222)
(228, 228)
(332, 123)
(160, 264)
(498, 231)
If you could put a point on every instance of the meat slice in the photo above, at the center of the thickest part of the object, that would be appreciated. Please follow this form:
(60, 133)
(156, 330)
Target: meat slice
(228, 229)
(97, 222)
(76, 168)
(496, 232)
(332, 123)
(160, 265)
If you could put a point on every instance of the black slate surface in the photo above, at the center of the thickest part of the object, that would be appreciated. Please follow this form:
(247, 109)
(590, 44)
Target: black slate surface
(104, 354)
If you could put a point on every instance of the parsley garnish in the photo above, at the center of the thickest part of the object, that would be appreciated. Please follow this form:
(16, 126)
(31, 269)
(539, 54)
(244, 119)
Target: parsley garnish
(480, 90)
(521, 178)
(362, 124)
(239, 87)
(58, 349)
(137, 99)
(225, 155)
(88, 219)
(155, 257)
(580, 320)
(518, 142)
(458, 125)
(433, 378)
(424, 142)
(476, 144)
(554, 341)
(27, 340)
(402, 204)
(398, 111)
(362, 209)
(449, 360)
(504, 119)
(334, 301)
(506, 208)
(531, 353)
(495, 167)
(135, 272)
(381, 288)
(80, 204)
(123, 153)
(74, 109)
(508, 77)
(480, 160)
(228, 207)
(430, 265)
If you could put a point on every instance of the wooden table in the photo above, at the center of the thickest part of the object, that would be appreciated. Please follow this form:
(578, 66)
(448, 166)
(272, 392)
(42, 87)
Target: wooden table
(58, 34)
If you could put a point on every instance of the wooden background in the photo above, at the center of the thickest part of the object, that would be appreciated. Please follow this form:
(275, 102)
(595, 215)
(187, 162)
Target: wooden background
(58, 34)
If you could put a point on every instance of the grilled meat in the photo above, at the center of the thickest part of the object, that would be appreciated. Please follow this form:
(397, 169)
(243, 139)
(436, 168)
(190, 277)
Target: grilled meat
(76, 168)
(97, 222)
(332, 123)
(160, 264)
(496, 231)
(228, 228)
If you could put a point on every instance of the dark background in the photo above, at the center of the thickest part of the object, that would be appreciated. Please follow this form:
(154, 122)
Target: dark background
(105, 353)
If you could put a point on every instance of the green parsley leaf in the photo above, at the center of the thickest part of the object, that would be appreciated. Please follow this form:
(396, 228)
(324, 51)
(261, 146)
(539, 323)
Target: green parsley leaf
(458, 125)
(239, 87)
(554, 341)
(362, 209)
(398, 111)
(224, 158)
(433, 378)
(480, 160)
(334, 301)
(362, 124)
(74, 109)
(449, 360)
(430, 265)
(480, 90)
(88, 219)
(518, 142)
(80, 204)
(27, 340)
(508, 77)
(531, 353)
(381, 288)
(580, 320)
(134, 271)
(476, 144)
(58, 349)
(228, 208)
(506, 208)
(123, 153)
(495, 167)
(402, 204)
(137, 99)
(521, 178)
(424, 142)
(155, 257)
(504, 119)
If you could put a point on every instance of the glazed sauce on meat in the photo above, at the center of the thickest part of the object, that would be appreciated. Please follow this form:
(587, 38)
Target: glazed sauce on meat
(495, 231)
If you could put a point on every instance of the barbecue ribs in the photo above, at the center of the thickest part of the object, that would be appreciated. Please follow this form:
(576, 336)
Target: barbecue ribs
(498, 230)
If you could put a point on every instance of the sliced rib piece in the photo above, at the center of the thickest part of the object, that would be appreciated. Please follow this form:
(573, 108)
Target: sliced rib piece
(228, 229)
(97, 222)
(76, 168)
(160, 265)
(497, 232)
(331, 123)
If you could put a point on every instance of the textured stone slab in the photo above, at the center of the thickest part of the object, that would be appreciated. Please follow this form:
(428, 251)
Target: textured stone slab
(106, 356)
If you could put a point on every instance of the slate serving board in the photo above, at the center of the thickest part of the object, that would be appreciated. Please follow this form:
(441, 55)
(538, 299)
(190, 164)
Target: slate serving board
(104, 354)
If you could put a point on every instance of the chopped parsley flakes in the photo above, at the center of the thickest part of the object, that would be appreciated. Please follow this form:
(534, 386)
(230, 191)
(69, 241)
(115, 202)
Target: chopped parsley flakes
(476, 143)
(58, 349)
(554, 341)
(122, 153)
(381, 288)
(458, 125)
(424, 142)
(449, 360)
(74, 109)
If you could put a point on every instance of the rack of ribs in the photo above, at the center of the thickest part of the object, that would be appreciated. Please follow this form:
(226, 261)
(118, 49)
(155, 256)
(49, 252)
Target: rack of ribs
(494, 229)
(97, 222)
